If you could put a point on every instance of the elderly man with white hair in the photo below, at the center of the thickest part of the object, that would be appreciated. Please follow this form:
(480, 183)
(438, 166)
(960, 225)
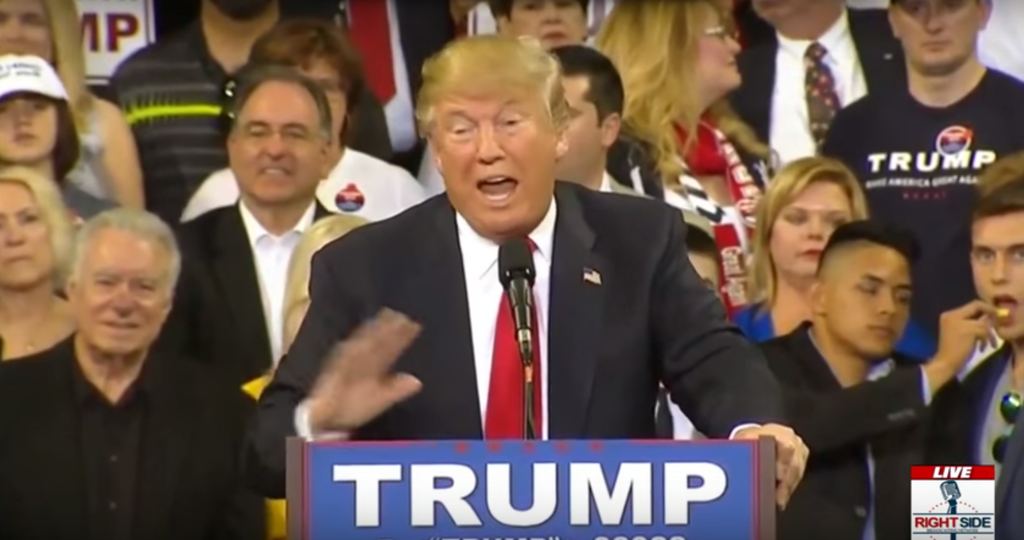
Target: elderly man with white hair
(105, 437)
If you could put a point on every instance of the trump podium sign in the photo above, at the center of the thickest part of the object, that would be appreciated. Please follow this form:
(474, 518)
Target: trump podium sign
(547, 490)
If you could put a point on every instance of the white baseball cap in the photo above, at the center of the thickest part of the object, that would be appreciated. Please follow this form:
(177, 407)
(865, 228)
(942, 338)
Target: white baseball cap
(29, 74)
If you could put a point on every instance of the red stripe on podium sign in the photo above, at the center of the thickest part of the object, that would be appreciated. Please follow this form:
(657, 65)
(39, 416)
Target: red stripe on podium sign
(953, 472)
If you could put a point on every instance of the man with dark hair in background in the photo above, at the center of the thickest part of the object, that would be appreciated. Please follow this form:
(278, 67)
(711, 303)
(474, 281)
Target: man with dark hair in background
(861, 405)
(595, 95)
(229, 308)
(919, 151)
(983, 413)
(174, 93)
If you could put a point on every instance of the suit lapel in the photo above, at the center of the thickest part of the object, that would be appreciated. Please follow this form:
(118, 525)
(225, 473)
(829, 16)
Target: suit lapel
(810, 361)
(234, 271)
(166, 443)
(447, 327)
(1011, 469)
(754, 101)
(578, 278)
(880, 64)
(319, 212)
(63, 482)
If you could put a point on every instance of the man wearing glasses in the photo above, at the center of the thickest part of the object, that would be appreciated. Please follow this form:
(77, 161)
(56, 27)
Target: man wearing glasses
(981, 417)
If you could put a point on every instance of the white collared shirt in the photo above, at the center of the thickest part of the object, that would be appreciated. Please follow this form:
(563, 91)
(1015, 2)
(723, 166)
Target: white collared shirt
(606, 183)
(400, 110)
(484, 292)
(789, 133)
(359, 185)
(272, 255)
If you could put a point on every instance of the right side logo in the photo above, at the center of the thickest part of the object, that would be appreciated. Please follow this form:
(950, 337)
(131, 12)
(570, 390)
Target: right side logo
(949, 500)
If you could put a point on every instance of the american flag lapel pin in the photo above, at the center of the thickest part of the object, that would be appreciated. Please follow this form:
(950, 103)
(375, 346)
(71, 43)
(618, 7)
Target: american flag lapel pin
(592, 276)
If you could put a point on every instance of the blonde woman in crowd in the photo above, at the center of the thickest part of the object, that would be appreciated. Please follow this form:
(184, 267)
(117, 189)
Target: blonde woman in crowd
(807, 200)
(296, 302)
(35, 245)
(51, 29)
(677, 59)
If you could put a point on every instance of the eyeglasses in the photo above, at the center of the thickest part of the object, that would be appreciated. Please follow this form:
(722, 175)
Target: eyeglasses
(1009, 409)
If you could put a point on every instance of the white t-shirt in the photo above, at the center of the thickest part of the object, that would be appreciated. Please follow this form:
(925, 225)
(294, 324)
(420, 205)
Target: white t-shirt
(360, 185)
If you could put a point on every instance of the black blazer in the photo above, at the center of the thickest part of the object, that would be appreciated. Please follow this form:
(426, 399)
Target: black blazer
(218, 315)
(834, 497)
(649, 319)
(1010, 488)
(188, 485)
(963, 406)
(881, 58)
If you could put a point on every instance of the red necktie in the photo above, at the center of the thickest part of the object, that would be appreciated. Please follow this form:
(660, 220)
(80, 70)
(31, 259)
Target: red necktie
(370, 32)
(505, 396)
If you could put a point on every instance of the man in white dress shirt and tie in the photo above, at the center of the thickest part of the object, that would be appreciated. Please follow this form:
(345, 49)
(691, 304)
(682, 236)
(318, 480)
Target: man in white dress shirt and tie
(594, 92)
(413, 300)
(824, 57)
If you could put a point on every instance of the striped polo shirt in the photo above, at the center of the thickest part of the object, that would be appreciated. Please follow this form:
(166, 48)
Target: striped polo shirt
(172, 93)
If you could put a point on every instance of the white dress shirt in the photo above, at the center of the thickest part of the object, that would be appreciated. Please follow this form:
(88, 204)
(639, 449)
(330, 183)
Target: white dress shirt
(373, 189)
(272, 254)
(790, 133)
(484, 292)
(399, 110)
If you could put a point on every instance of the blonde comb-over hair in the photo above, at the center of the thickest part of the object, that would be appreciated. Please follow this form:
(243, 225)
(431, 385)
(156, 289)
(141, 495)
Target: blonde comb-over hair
(785, 186)
(488, 65)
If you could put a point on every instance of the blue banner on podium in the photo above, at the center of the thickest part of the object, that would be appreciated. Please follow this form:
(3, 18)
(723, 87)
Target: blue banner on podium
(544, 490)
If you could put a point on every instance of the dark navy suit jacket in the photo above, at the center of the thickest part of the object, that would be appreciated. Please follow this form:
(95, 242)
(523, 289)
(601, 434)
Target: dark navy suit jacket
(1010, 488)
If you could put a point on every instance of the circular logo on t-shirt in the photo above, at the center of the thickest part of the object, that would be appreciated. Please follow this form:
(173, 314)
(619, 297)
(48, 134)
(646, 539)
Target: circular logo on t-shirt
(349, 199)
(953, 140)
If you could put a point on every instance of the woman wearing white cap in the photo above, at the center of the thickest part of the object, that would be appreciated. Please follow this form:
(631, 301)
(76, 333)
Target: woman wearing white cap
(37, 128)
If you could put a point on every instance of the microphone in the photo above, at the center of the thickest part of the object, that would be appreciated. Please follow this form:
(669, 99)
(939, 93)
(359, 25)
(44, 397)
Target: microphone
(950, 492)
(516, 273)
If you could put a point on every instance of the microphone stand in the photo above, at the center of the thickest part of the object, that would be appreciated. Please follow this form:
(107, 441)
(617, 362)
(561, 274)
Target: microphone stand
(526, 353)
(952, 510)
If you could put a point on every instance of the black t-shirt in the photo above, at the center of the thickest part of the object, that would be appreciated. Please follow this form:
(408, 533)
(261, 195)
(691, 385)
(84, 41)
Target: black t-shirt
(919, 166)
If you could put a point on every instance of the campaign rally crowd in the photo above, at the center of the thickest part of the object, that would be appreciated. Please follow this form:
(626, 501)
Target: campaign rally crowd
(812, 229)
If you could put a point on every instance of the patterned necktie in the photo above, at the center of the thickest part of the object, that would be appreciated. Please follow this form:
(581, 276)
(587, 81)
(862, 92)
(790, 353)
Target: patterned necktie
(820, 90)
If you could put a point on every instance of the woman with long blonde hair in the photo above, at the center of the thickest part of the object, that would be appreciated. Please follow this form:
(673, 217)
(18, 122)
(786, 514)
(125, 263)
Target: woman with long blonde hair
(109, 167)
(807, 200)
(677, 59)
